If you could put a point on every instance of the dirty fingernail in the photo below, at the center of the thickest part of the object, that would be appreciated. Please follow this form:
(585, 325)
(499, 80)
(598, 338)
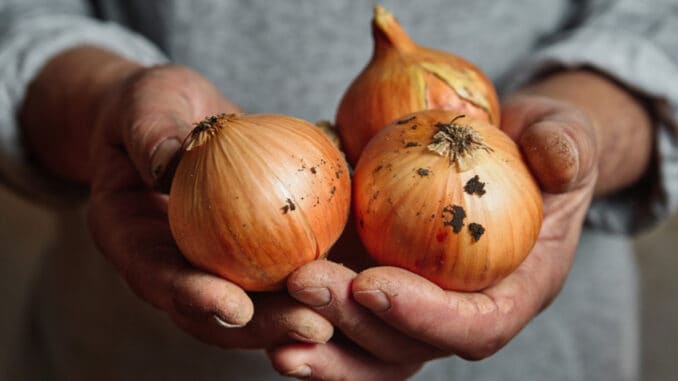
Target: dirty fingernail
(375, 300)
(163, 161)
(303, 371)
(225, 323)
(313, 296)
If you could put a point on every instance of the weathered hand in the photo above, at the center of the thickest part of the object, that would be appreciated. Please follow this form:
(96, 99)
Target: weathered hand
(395, 320)
(139, 130)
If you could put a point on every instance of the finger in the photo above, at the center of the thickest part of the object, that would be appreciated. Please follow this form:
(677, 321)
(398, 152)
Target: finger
(561, 153)
(557, 140)
(336, 362)
(326, 287)
(277, 320)
(150, 119)
(552, 156)
(156, 110)
(521, 111)
(471, 325)
(460, 323)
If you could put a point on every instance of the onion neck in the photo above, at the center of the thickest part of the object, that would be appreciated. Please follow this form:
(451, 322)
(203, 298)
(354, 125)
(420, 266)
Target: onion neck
(205, 130)
(388, 34)
(457, 141)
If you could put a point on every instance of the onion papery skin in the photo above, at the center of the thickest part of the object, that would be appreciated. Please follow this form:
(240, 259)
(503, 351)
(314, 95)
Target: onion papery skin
(256, 196)
(405, 197)
(403, 77)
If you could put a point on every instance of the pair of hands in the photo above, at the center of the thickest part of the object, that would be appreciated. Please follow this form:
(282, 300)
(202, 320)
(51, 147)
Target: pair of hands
(390, 321)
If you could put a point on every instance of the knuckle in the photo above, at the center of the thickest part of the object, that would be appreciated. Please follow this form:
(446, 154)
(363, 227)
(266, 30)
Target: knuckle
(486, 332)
(355, 327)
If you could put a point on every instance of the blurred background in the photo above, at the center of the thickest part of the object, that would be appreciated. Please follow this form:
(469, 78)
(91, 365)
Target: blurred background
(25, 231)
(657, 256)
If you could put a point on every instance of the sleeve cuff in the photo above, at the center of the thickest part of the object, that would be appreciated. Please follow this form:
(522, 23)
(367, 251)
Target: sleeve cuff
(642, 66)
(24, 49)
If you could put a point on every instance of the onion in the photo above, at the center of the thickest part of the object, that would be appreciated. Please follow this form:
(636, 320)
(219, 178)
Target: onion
(256, 196)
(403, 77)
(447, 197)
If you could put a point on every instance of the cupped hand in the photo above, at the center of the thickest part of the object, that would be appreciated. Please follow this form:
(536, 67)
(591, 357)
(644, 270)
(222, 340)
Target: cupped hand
(139, 130)
(395, 320)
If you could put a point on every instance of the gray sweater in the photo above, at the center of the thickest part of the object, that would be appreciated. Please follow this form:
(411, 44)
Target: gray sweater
(297, 57)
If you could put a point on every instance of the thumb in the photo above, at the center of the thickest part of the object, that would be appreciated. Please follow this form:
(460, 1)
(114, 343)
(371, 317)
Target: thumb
(156, 111)
(557, 141)
(153, 142)
(159, 144)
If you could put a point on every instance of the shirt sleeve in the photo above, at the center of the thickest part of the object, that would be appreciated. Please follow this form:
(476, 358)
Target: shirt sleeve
(635, 43)
(31, 32)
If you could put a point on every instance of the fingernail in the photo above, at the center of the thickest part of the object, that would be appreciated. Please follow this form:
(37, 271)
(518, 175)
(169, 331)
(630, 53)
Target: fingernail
(375, 300)
(225, 323)
(228, 318)
(162, 162)
(302, 372)
(313, 296)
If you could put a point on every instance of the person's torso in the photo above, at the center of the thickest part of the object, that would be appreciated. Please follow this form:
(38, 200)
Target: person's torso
(297, 57)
